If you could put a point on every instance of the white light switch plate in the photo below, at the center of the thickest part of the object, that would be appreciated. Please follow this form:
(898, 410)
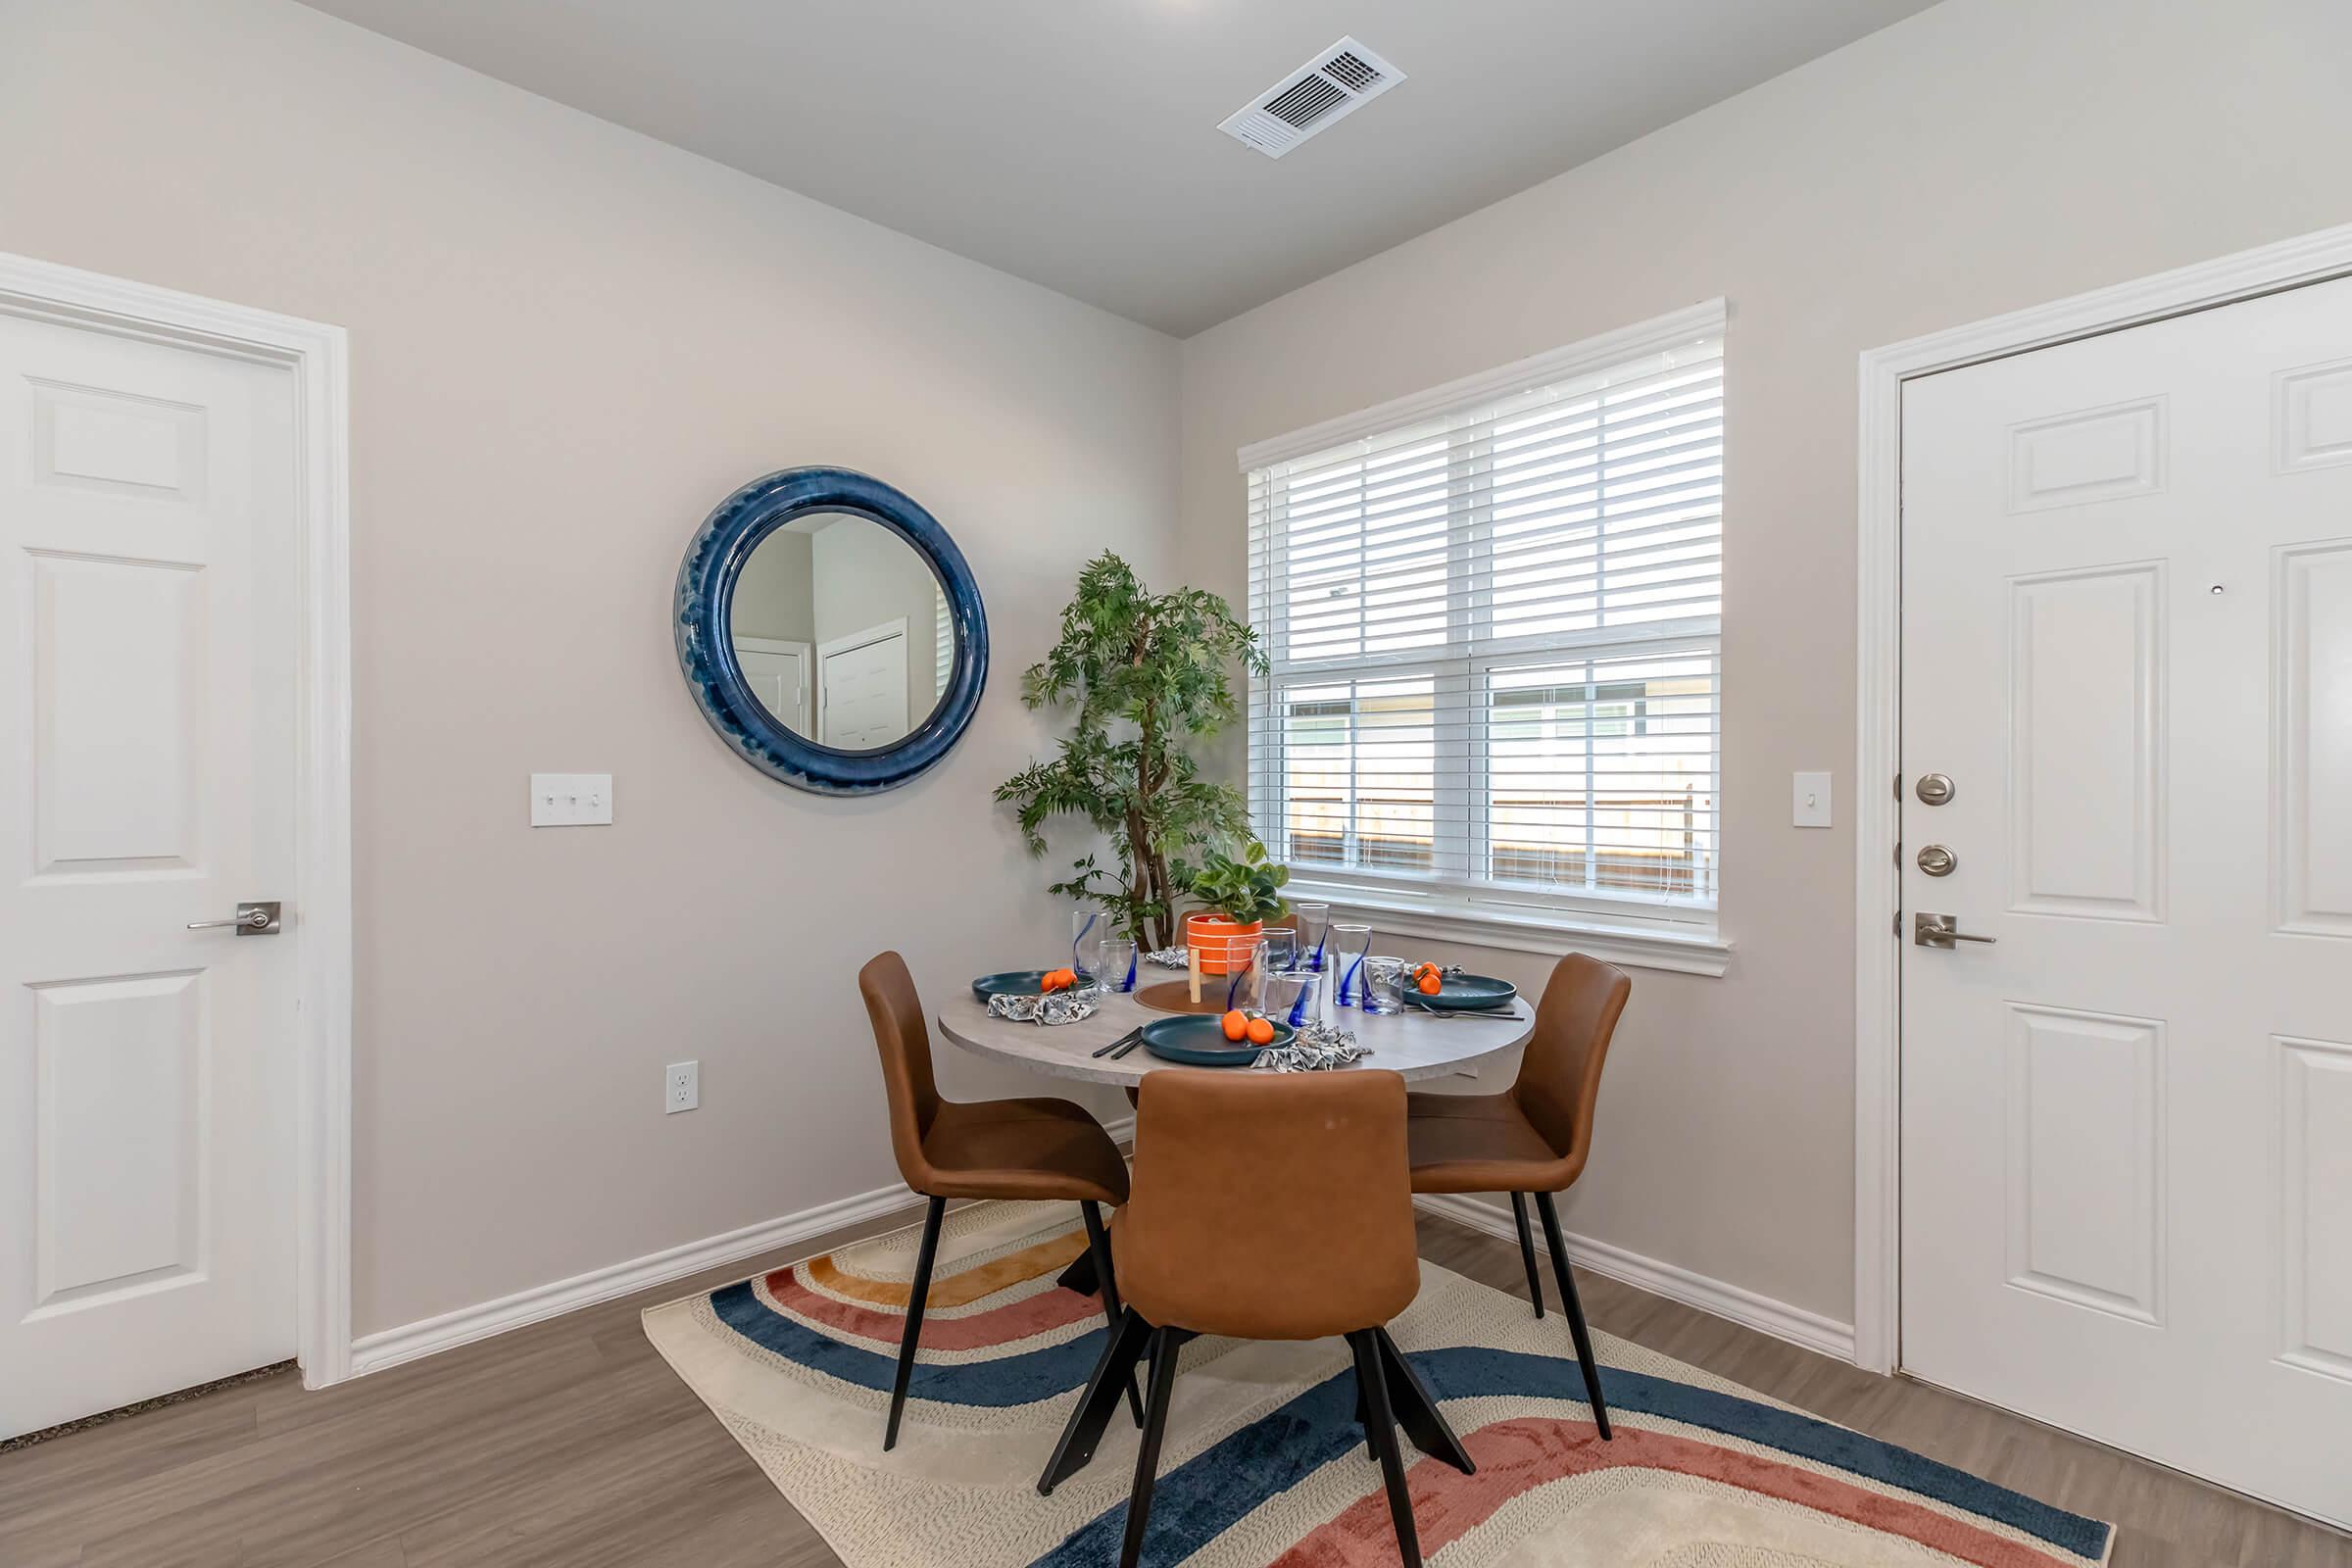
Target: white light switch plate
(571, 799)
(1812, 800)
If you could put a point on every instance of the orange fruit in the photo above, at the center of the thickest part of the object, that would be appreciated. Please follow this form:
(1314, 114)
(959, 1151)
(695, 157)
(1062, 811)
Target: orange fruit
(1261, 1031)
(1431, 984)
(1235, 1025)
(1058, 980)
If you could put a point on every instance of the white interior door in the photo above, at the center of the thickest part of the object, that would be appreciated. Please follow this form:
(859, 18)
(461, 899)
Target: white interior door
(147, 732)
(2126, 1124)
(777, 672)
(862, 685)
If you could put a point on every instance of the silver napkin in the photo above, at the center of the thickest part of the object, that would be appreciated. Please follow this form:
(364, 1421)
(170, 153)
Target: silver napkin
(1054, 1007)
(1317, 1048)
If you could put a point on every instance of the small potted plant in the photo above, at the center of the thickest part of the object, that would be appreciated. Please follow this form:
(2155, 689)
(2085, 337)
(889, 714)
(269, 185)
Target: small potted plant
(1238, 894)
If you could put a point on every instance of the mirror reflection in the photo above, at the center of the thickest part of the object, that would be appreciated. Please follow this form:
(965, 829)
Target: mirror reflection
(842, 631)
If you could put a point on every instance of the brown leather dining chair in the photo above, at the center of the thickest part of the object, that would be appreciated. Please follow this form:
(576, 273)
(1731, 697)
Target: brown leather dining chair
(1265, 1207)
(1024, 1150)
(1534, 1138)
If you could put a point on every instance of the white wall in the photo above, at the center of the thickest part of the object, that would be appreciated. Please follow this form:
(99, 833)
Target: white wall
(568, 342)
(1983, 156)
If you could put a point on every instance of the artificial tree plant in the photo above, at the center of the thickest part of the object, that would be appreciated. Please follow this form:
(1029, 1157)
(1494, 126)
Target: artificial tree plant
(1148, 674)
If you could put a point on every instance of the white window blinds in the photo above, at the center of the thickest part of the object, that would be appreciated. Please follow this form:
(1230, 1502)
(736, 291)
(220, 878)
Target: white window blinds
(942, 642)
(1493, 614)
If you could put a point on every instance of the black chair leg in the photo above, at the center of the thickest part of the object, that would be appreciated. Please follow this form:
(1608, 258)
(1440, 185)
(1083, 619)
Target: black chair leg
(1098, 1247)
(1113, 1369)
(1527, 1251)
(1081, 1276)
(1371, 1377)
(1575, 1311)
(1146, 1458)
(1416, 1411)
(916, 1294)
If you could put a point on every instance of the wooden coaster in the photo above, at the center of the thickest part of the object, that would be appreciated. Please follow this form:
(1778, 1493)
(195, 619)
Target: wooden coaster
(1173, 996)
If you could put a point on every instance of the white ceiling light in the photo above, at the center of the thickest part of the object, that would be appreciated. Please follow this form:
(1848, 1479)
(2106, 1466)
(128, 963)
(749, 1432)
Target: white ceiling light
(1316, 96)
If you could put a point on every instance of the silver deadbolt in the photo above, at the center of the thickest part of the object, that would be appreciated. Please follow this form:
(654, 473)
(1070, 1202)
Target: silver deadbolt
(1937, 789)
(1937, 861)
(256, 918)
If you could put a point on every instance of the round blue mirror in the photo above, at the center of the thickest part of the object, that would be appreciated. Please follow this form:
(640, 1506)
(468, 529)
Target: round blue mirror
(831, 632)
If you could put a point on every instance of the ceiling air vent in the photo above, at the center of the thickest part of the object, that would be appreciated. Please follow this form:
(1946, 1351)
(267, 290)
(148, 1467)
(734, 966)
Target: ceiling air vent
(1319, 94)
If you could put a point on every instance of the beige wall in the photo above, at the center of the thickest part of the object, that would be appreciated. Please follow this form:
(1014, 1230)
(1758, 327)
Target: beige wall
(774, 594)
(568, 342)
(1983, 156)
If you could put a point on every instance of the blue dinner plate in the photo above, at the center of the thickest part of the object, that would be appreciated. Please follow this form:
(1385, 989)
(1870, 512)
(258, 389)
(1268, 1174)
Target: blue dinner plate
(1467, 992)
(1016, 983)
(1198, 1040)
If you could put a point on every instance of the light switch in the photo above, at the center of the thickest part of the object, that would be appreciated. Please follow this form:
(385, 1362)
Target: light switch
(1812, 800)
(571, 799)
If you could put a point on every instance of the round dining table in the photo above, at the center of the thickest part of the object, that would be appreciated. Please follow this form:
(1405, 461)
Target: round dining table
(1417, 1044)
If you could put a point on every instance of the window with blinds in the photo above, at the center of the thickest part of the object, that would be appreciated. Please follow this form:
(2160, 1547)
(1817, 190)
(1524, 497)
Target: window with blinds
(1493, 614)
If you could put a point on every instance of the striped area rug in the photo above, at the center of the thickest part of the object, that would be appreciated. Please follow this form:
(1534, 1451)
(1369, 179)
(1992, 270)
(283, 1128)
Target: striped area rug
(1263, 1461)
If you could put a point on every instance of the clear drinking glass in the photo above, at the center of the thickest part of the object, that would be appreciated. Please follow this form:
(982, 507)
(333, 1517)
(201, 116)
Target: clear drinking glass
(1244, 966)
(1278, 949)
(1384, 979)
(1351, 946)
(1314, 933)
(1089, 925)
(1289, 997)
(1117, 956)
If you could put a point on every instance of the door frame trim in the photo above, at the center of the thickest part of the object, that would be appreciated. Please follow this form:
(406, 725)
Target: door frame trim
(1878, 950)
(318, 358)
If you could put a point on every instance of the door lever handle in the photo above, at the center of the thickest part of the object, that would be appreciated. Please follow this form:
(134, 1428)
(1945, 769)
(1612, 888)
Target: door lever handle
(1940, 931)
(256, 918)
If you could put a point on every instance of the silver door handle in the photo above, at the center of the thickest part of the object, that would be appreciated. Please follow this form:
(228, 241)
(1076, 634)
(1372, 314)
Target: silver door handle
(257, 918)
(1940, 931)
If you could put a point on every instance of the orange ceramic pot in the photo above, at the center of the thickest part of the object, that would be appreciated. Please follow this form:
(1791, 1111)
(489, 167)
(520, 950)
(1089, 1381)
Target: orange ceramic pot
(1224, 946)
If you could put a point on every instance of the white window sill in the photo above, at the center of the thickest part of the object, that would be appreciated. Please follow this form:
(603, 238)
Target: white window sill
(1699, 950)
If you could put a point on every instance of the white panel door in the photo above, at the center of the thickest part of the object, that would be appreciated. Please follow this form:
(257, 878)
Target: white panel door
(861, 686)
(777, 672)
(147, 669)
(2127, 1136)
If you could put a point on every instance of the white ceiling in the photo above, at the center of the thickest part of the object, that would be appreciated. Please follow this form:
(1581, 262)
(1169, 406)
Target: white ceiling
(1074, 142)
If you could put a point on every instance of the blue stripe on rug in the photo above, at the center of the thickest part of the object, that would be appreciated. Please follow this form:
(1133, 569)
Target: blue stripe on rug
(1210, 1492)
(1009, 1380)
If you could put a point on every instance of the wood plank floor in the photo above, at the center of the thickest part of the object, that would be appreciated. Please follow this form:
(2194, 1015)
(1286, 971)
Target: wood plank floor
(571, 1442)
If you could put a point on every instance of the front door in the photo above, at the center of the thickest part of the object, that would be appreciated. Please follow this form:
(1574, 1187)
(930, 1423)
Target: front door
(148, 645)
(2127, 1065)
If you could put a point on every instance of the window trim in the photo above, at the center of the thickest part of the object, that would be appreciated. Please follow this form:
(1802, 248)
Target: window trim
(1647, 936)
(1705, 320)
(1683, 947)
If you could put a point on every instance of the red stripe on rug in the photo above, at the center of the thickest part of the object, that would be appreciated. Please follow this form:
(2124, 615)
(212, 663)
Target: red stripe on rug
(1519, 1455)
(999, 1325)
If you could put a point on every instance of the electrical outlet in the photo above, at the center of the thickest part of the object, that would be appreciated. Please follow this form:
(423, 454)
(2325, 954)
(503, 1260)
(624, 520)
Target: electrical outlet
(571, 799)
(681, 1087)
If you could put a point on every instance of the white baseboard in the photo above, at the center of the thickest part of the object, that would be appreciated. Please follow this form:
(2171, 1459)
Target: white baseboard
(373, 1353)
(1809, 1329)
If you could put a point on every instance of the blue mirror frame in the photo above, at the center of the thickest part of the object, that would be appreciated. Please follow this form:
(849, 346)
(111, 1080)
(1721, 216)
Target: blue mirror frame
(704, 621)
